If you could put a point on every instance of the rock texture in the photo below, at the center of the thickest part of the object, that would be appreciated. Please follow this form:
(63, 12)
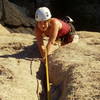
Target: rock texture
(19, 79)
(14, 19)
(74, 69)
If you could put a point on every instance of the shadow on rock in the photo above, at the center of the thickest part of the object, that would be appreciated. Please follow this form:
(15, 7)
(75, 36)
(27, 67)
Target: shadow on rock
(31, 53)
(28, 53)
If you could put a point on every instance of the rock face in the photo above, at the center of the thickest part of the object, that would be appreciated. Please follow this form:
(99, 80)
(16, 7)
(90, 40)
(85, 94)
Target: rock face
(19, 78)
(74, 69)
(14, 19)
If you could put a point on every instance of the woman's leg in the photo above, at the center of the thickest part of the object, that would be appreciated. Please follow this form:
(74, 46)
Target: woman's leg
(67, 39)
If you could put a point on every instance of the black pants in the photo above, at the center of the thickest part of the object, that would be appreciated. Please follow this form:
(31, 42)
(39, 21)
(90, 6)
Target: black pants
(69, 36)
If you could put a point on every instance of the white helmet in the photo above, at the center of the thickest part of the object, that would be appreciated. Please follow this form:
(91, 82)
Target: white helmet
(42, 14)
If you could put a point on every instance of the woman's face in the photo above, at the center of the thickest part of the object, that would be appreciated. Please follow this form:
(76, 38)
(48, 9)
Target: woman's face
(43, 25)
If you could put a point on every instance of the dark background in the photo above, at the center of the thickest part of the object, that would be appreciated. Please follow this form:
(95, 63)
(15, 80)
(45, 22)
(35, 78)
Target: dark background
(86, 13)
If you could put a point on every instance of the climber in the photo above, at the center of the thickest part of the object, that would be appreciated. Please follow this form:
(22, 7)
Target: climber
(53, 28)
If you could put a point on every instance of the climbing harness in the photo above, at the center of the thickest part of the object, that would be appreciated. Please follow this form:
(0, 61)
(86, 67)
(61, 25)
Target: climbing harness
(47, 77)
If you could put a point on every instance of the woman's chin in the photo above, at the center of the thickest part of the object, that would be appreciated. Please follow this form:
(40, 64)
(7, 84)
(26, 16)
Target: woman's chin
(44, 29)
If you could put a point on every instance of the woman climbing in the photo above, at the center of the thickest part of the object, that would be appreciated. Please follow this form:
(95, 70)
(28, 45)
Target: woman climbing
(54, 29)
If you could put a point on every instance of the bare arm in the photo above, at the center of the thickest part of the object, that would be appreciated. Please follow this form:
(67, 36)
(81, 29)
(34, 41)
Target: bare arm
(53, 36)
(40, 43)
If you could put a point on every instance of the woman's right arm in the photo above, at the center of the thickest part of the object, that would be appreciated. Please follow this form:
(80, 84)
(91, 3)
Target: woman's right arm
(40, 43)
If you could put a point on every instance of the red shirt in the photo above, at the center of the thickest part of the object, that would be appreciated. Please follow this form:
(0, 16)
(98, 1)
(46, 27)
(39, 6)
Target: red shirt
(66, 28)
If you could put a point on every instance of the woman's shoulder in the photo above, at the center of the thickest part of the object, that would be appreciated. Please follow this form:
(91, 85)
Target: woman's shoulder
(54, 21)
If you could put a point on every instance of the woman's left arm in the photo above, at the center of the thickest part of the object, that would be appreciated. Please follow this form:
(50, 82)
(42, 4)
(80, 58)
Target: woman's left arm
(53, 35)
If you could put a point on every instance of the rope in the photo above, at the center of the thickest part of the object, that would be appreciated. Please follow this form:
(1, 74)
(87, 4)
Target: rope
(47, 77)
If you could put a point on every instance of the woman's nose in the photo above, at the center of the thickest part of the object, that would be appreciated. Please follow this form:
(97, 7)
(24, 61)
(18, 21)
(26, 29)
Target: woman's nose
(43, 26)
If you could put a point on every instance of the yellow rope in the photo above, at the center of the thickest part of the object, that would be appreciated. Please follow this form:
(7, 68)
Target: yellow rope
(47, 77)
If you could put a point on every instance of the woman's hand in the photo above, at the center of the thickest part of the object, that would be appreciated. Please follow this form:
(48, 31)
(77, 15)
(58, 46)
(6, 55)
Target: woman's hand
(42, 60)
